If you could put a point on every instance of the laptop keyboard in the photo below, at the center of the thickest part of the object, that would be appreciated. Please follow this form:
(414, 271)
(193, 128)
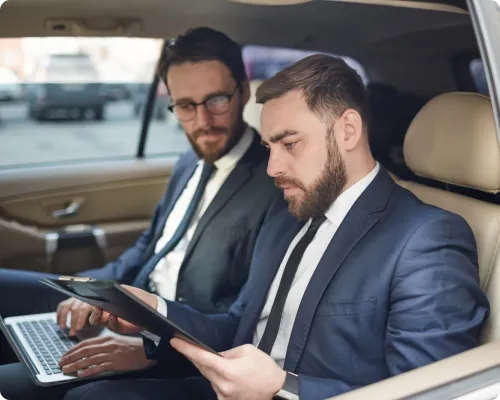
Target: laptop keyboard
(47, 341)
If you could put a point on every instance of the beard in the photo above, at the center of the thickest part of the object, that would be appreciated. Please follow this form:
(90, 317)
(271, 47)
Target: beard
(318, 198)
(211, 152)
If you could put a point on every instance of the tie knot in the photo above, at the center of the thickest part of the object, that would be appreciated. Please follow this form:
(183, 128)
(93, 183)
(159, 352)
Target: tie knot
(316, 223)
(207, 171)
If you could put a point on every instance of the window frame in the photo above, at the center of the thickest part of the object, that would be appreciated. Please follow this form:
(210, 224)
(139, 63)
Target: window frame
(149, 107)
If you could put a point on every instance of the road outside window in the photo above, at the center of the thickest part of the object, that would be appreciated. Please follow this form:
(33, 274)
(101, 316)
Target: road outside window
(72, 99)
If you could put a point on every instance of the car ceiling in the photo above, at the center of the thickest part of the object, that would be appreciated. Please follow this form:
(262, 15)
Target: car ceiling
(350, 28)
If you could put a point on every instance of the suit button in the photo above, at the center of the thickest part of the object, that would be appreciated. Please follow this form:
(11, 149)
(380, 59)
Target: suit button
(181, 299)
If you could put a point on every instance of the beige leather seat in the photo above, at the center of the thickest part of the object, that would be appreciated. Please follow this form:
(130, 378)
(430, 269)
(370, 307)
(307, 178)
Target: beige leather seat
(251, 113)
(453, 139)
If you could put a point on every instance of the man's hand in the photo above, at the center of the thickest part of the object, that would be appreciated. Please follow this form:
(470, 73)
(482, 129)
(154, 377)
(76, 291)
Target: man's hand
(243, 373)
(103, 318)
(80, 312)
(105, 354)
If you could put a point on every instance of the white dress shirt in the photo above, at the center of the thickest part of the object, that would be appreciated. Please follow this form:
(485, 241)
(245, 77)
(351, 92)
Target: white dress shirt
(166, 272)
(310, 260)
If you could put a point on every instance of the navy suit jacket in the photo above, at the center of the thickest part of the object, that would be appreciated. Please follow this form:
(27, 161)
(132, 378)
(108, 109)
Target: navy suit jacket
(397, 288)
(217, 261)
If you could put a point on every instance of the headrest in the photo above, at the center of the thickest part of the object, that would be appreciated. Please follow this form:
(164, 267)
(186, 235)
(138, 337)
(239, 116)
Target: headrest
(251, 113)
(453, 139)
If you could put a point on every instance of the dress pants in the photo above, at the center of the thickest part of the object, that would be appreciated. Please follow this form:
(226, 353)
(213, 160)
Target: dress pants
(197, 388)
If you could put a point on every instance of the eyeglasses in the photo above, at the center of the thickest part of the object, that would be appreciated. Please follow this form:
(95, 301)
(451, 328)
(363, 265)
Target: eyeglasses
(216, 104)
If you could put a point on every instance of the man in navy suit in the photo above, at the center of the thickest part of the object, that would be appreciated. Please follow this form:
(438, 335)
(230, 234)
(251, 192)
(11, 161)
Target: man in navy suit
(362, 282)
(198, 248)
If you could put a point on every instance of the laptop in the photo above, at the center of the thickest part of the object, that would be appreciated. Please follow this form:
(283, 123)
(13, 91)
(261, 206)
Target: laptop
(39, 343)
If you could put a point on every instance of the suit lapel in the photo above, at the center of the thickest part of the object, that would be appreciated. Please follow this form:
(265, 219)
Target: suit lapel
(359, 220)
(241, 173)
(348, 235)
(267, 263)
(233, 183)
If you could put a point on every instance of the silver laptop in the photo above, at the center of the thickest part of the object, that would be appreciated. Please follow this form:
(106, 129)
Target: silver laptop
(39, 343)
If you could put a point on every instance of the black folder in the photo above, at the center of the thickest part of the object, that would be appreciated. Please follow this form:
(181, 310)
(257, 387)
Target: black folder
(111, 297)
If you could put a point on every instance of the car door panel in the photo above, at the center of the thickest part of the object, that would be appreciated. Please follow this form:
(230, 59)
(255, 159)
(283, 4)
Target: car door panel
(114, 204)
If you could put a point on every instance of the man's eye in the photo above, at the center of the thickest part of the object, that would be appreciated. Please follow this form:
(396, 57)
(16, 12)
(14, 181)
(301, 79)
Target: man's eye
(217, 100)
(289, 146)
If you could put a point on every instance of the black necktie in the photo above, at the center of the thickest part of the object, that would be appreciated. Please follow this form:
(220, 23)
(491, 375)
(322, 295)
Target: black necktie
(142, 278)
(273, 322)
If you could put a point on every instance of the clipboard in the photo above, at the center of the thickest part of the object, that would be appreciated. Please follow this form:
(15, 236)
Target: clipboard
(111, 297)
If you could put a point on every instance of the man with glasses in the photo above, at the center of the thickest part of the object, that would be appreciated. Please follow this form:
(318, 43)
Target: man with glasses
(198, 248)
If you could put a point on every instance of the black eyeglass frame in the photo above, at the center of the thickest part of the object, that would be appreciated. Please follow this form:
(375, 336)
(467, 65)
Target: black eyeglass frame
(227, 96)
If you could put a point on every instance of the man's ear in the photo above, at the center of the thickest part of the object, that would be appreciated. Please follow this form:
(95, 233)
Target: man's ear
(245, 92)
(353, 128)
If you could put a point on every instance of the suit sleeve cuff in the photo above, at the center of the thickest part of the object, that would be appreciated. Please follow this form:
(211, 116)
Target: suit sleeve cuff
(161, 308)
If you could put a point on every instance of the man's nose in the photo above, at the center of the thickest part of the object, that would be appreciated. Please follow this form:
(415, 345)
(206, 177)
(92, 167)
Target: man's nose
(274, 165)
(203, 117)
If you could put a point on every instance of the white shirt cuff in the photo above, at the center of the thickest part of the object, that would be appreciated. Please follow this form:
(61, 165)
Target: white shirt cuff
(161, 308)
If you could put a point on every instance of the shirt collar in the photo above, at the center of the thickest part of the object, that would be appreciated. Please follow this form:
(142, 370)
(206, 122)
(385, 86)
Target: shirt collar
(236, 153)
(341, 206)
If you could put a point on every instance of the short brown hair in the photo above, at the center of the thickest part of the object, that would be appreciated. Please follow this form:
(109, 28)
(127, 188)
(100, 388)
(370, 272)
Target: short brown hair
(203, 44)
(329, 85)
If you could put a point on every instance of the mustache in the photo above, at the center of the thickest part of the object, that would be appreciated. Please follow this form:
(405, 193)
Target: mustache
(214, 130)
(281, 181)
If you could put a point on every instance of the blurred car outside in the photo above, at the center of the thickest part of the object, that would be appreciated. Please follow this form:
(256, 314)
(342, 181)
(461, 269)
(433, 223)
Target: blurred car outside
(66, 86)
(11, 87)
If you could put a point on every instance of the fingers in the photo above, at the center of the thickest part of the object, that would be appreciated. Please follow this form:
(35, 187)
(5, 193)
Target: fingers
(240, 351)
(82, 317)
(74, 317)
(208, 373)
(211, 366)
(79, 314)
(118, 325)
(146, 297)
(86, 362)
(98, 317)
(198, 355)
(218, 392)
(121, 326)
(85, 352)
(114, 324)
(62, 313)
(97, 369)
(131, 289)
(85, 343)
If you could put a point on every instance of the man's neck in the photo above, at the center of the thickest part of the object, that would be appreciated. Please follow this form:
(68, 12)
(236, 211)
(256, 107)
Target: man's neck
(237, 151)
(235, 139)
(363, 169)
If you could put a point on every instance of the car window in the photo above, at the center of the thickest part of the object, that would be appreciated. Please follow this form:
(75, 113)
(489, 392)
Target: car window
(262, 62)
(478, 75)
(78, 99)
(165, 136)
